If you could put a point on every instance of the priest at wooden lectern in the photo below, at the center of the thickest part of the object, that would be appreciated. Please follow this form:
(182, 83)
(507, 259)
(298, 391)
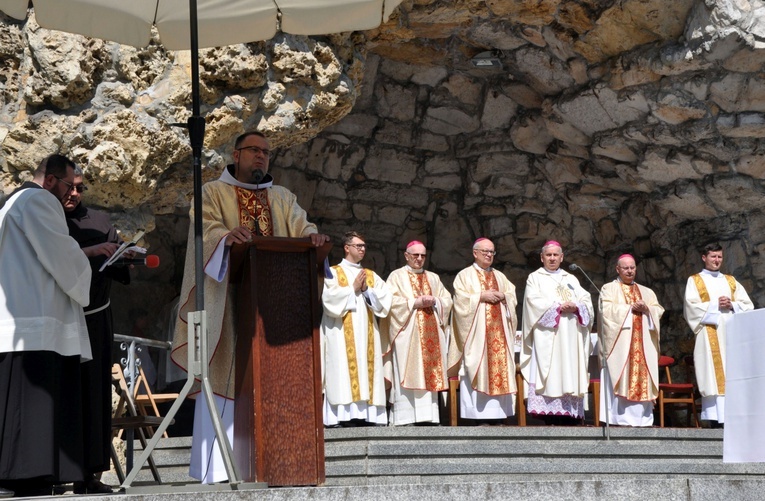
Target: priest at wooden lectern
(241, 204)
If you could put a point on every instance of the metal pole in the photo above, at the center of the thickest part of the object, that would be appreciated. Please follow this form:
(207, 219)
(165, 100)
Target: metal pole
(197, 320)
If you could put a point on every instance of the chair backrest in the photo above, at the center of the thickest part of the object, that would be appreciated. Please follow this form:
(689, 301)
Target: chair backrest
(665, 362)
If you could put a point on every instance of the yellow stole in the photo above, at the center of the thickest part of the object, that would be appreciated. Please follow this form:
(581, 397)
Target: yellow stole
(496, 344)
(714, 343)
(350, 343)
(430, 345)
(637, 367)
(255, 210)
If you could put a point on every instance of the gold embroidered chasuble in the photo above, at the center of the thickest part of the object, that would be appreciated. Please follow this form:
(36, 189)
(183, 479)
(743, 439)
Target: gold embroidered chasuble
(483, 334)
(254, 211)
(350, 336)
(417, 337)
(702, 291)
(225, 207)
(631, 340)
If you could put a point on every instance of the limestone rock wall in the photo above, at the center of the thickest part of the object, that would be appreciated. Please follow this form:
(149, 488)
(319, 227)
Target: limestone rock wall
(611, 126)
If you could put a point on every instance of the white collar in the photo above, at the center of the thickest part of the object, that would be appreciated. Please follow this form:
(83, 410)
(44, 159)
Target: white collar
(475, 265)
(227, 178)
(556, 272)
(412, 270)
(345, 262)
(710, 273)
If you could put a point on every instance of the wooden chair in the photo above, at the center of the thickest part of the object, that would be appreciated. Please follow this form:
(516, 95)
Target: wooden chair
(594, 390)
(126, 417)
(675, 393)
(453, 404)
(146, 401)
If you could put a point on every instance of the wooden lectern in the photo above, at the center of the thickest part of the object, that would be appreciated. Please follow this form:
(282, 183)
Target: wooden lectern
(278, 426)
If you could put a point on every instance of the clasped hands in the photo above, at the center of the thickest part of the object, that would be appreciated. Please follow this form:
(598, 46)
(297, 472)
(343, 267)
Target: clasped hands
(360, 283)
(639, 307)
(725, 303)
(492, 297)
(569, 307)
(424, 302)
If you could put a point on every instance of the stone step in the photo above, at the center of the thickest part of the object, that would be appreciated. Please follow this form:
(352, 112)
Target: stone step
(390, 455)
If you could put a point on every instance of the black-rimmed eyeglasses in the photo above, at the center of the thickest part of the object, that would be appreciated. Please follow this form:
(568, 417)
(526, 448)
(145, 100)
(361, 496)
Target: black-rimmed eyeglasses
(255, 151)
(79, 188)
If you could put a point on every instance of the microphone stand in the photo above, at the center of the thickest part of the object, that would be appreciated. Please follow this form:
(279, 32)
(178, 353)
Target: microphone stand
(601, 350)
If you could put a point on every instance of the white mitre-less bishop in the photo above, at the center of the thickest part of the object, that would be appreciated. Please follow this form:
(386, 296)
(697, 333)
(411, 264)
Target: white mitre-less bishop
(556, 346)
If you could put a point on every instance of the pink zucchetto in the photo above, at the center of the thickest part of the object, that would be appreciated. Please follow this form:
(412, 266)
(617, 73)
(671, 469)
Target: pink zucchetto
(625, 255)
(414, 242)
(480, 240)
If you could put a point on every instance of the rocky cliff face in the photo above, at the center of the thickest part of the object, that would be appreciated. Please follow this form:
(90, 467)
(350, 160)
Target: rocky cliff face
(610, 126)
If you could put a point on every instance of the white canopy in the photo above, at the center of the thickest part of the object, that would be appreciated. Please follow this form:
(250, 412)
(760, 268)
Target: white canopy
(221, 22)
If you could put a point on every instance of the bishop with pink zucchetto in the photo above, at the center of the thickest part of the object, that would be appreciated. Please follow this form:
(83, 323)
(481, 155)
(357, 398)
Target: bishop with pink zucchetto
(482, 349)
(631, 315)
(557, 315)
(415, 359)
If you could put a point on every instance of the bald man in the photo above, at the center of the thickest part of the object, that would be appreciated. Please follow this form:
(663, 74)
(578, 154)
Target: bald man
(417, 331)
(483, 345)
(631, 315)
(557, 316)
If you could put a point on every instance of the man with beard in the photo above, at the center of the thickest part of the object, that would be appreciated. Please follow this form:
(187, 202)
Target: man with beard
(99, 240)
(242, 203)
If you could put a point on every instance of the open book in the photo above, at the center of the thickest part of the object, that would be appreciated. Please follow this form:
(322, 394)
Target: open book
(125, 247)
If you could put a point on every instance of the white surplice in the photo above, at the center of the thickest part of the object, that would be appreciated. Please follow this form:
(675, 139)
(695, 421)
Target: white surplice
(555, 351)
(340, 374)
(699, 314)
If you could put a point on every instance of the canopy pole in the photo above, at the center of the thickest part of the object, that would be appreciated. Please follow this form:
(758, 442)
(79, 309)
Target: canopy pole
(196, 126)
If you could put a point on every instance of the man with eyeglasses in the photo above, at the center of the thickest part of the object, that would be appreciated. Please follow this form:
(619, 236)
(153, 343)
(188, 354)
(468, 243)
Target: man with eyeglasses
(353, 299)
(44, 284)
(484, 324)
(94, 232)
(557, 315)
(416, 331)
(631, 315)
(244, 202)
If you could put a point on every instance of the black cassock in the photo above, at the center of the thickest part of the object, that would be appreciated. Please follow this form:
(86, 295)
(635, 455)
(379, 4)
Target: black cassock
(91, 227)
